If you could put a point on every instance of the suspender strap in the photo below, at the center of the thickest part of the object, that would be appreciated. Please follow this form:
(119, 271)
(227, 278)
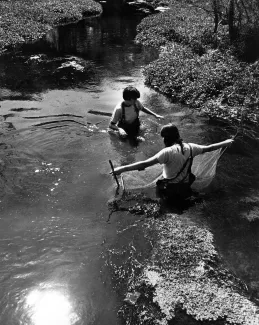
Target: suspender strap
(122, 113)
(190, 158)
(136, 109)
(122, 120)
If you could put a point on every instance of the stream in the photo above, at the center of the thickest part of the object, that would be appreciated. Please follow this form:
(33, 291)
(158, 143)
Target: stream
(55, 223)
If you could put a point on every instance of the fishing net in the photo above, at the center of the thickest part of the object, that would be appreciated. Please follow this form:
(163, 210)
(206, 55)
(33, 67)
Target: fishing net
(203, 167)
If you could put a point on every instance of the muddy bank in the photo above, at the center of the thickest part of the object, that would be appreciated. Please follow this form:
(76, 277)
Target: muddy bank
(24, 21)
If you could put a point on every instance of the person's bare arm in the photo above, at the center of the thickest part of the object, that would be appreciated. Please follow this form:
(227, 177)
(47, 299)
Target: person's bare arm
(115, 127)
(218, 145)
(141, 165)
(116, 115)
(148, 111)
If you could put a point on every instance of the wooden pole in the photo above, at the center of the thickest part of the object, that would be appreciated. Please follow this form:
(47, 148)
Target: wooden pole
(114, 175)
(122, 183)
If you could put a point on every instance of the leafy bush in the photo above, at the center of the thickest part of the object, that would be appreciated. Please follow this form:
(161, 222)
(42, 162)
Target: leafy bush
(23, 20)
(199, 67)
(240, 100)
(183, 23)
(216, 82)
(190, 78)
(157, 30)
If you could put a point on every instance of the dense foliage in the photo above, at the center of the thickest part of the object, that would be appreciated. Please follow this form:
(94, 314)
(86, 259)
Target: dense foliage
(28, 20)
(184, 24)
(199, 66)
(190, 78)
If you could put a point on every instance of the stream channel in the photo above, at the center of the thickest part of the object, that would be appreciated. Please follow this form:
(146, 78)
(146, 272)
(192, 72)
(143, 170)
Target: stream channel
(55, 228)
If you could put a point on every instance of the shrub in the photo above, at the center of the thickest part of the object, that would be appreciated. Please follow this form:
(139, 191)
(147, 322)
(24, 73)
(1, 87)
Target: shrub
(157, 30)
(23, 20)
(183, 23)
(201, 68)
(190, 78)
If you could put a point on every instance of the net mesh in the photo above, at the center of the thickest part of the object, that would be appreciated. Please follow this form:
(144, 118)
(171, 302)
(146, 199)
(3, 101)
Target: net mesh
(203, 167)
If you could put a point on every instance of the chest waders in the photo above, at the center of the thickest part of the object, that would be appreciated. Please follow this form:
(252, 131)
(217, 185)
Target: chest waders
(132, 129)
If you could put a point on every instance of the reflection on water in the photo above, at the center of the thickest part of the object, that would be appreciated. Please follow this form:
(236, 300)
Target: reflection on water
(49, 307)
(82, 55)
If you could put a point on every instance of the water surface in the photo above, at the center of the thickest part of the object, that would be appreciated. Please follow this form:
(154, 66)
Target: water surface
(55, 181)
(55, 229)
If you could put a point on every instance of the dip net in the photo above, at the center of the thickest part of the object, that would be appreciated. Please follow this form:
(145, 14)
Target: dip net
(203, 167)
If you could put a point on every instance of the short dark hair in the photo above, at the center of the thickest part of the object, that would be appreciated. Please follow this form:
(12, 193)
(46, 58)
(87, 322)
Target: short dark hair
(130, 93)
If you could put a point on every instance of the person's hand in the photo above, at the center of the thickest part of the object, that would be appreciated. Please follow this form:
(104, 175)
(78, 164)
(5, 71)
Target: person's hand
(159, 116)
(122, 133)
(228, 142)
(117, 171)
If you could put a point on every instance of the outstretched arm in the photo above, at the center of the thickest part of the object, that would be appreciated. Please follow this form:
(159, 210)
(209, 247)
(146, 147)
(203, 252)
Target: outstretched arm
(148, 111)
(218, 145)
(141, 165)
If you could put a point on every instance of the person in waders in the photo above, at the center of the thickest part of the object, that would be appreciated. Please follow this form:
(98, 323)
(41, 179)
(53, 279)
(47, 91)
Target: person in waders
(176, 159)
(125, 117)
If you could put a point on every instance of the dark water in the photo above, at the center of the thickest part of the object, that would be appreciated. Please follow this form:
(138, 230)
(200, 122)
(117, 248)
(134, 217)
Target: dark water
(55, 229)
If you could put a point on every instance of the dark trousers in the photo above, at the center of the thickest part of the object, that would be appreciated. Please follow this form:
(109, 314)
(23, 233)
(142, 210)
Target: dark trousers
(132, 129)
(173, 191)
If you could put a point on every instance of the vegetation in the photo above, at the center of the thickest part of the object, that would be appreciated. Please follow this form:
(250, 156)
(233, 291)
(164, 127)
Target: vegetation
(26, 20)
(206, 59)
(183, 281)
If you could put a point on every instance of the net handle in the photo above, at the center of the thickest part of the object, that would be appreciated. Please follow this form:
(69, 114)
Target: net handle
(113, 174)
(234, 137)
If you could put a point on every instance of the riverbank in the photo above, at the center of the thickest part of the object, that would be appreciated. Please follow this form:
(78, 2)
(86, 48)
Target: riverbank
(199, 67)
(24, 21)
(183, 281)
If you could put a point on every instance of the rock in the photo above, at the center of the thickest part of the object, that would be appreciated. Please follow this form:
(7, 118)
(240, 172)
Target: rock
(162, 9)
(139, 6)
(73, 65)
(132, 298)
